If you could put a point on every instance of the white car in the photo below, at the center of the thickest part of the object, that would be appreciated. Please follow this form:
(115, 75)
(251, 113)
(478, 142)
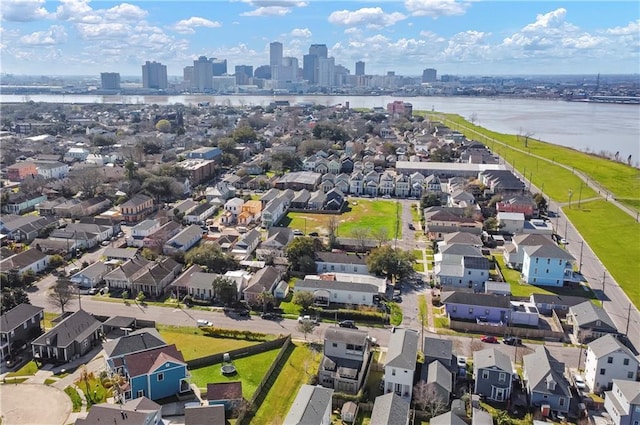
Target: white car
(462, 361)
(203, 323)
(307, 318)
(579, 382)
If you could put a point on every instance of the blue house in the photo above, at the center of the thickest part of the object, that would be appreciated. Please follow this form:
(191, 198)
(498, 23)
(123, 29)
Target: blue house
(205, 153)
(20, 202)
(546, 265)
(477, 307)
(157, 373)
(545, 381)
(493, 374)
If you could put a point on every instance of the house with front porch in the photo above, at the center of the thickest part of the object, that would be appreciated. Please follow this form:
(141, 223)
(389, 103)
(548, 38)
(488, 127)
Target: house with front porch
(400, 362)
(19, 326)
(194, 282)
(278, 238)
(589, 322)
(72, 337)
(156, 240)
(183, 241)
(327, 291)
(345, 359)
(21, 202)
(141, 231)
(265, 280)
(30, 260)
(545, 381)
(493, 374)
(200, 213)
(247, 244)
(136, 208)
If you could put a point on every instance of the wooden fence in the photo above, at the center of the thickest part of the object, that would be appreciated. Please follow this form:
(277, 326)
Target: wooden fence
(527, 333)
(238, 353)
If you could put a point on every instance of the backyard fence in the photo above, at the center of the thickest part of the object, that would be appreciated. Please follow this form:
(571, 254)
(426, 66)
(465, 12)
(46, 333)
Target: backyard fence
(527, 333)
(237, 354)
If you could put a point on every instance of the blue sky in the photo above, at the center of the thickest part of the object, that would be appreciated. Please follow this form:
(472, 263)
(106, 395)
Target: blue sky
(73, 37)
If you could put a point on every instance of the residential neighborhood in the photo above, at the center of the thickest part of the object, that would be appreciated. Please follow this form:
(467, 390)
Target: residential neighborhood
(195, 263)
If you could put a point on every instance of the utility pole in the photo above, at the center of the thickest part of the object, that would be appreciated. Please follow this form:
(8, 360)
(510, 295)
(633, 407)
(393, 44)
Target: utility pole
(604, 276)
(581, 246)
(626, 331)
(580, 195)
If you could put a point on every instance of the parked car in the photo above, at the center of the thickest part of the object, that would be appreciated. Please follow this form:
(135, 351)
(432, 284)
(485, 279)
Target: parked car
(578, 381)
(462, 362)
(298, 232)
(512, 340)
(411, 226)
(348, 324)
(490, 339)
(306, 319)
(93, 291)
(373, 340)
(314, 234)
(202, 323)
(269, 316)
(397, 298)
(243, 313)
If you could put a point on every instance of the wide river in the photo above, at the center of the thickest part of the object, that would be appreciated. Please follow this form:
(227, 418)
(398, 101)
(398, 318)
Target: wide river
(584, 126)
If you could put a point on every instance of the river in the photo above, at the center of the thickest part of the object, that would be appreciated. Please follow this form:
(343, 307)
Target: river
(585, 126)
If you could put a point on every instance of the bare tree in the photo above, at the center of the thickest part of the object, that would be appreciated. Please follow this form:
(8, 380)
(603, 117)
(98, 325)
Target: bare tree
(526, 135)
(88, 181)
(426, 398)
(360, 234)
(306, 327)
(381, 235)
(62, 293)
(332, 226)
(473, 118)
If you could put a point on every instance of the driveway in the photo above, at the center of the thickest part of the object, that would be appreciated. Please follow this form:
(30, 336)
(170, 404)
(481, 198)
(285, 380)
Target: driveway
(19, 405)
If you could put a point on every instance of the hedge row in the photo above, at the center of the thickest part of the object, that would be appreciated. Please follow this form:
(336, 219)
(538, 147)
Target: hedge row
(233, 333)
(357, 315)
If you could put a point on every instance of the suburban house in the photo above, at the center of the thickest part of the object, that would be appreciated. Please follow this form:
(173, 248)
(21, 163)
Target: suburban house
(247, 244)
(141, 231)
(194, 282)
(479, 307)
(493, 374)
(52, 170)
(120, 254)
(156, 240)
(183, 241)
(326, 290)
(439, 381)
(204, 415)
(278, 239)
(589, 322)
(139, 274)
(388, 409)
(140, 411)
(461, 266)
(136, 208)
(155, 373)
(510, 222)
(546, 303)
(340, 262)
(448, 418)
(312, 406)
(19, 326)
(29, 260)
(440, 350)
(400, 362)
(227, 394)
(546, 265)
(608, 359)
(22, 202)
(442, 220)
(545, 381)
(135, 342)
(72, 337)
(274, 210)
(21, 170)
(251, 211)
(200, 213)
(514, 251)
(26, 228)
(91, 276)
(345, 359)
(265, 279)
(623, 402)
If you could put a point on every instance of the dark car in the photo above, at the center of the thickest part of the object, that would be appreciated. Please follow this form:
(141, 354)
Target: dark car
(397, 298)
(411, 226)
(269, 316)
(314, 234)
(243, 313)
(490, 339)
(512, 340)
(348, 324)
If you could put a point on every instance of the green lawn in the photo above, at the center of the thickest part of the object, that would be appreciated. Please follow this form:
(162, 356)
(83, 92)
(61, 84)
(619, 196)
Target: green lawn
(621, 179)
(251, 370)
(193, 344)
(300, 366)
(633, 203)
(372, 215)
(27, 370)
(75, 398)
(93, 391)
(396, 314)
(615, 238)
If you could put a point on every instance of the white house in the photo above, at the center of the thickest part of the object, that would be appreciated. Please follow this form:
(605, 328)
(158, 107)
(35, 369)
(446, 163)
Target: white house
(608, 359)
(91, 276)
(234, 206)
(333, 291)
(31, 259)
(341, 262)
(52, 170)
(511, 222)
(141, 231)
(400, 363)
(623, 402)
(200, 214)
(183, 241)
(78, 153)
(240, 277)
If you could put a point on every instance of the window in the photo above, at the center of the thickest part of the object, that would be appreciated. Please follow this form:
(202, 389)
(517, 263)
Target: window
(629, 375)
(393, 372)
(140, 393)
(335, 345)
(548, 260)
(561, 402)
(609, 360)
(603, 371)
(502, 377)
(485, 374)
(24, 325)
(160, 377)
(625, 362)
(547, 271)
(470, 310)
(536, 261)
(469, 272)
(454, 308)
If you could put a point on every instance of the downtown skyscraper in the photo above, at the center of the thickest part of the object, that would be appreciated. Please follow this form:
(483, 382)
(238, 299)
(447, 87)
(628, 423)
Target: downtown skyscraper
(154, 75)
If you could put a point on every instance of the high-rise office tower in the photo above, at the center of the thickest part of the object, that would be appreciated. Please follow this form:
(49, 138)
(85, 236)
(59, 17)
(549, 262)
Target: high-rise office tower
(187, 74)
(275, 59)
(326, 72)
(429, 75)
(320, 50)
(110, 80)
(360, 68)
(202, 74)
(308, 68)
(288, 69)
(154, 75)
(263, 72)
(243, 73)
(219, 66)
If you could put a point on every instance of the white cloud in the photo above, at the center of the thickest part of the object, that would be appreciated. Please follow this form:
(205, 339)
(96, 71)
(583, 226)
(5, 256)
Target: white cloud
(77, 11)
(56, 34)
(112, 30)
(372, 17)
(553, 19)
(435, 8)
(186, 26)
(23, 10)
(272, 7)
(268, 11)
(632, 29)
(125, 12)
(301, 32)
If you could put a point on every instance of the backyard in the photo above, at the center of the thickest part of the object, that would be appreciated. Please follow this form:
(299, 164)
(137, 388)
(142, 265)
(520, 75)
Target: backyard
(362, 214)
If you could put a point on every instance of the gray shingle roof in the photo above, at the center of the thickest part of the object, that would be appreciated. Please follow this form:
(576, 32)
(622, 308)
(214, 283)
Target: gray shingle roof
(491, 357)
(630, 390)
(540, 367)
(587, 313)
(346, 335)
(309, 406)
(608, 344)
(315, 284)
(470, 298)
(389, 409)
(439, 374)
(340, 258)
(436, 348)
(140, 340)
(17, 316)
(75, 327)
(403, 349)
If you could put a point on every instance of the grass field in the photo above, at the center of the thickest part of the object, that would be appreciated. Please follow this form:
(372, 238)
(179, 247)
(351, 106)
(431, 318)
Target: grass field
(27, 370)
(251, 370)
(372, 215)
(617, 177)
(615, 239)
(193, 344)
(298, 368)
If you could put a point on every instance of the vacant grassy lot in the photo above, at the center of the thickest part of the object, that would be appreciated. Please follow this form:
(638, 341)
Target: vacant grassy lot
(193, 344)
(251, 370)
(372, 215)
(27, 370)
(615, 238)
(300, 366)
(621, 179)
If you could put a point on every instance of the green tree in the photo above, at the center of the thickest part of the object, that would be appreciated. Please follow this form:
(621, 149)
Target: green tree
(304, 299)
(163, 126)
(541, 203)
(211, 257)
(162, 188)
(227, 145)
(56, 261)
(306, 327)
(301, 253)
(148, 254)
(225, 290)
(266, 299)
(490, 224)
(391, 262)
(244, 134)
(430, 200)
(61, 293)
(12, 297)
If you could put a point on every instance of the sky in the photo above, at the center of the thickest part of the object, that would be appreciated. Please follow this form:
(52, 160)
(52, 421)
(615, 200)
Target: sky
(82, 37)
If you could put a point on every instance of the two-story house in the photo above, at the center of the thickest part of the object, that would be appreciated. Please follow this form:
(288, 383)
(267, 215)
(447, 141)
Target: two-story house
(156, 240)
(141, 231)
(545, 381)
(19, 326)
(136, 208)
(21, 170)
(608, 359)
(461, 266)
(312, 406)
(345, 359)
(400, 362)
(183, 241)
(589, 322)
(251, 211)
(200, 213)
(493, 374)
(623, 402)
(390, 409)
(327, 262)
(546, 265)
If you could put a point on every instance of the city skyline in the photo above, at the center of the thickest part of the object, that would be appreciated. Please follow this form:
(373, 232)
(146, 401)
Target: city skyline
(78, 37)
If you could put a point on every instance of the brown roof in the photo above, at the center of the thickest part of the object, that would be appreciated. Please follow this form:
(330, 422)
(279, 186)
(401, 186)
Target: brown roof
(224, 391)
(147, 361)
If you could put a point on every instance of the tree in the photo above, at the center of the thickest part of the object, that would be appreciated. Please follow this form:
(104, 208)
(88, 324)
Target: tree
(56, 261)
(304, 299)
(526, 135)
(148, 254)
(62, 293)
(490, 224)
(85, 377)
(391, 262)
(541, 202)
(12, 297)
(381, 235)
(360, 234)
(163, 126)
(227, 145)
(88, 180)
(430, 200)
(301, 253)
(306, 327)
(244, 134)
(426, 398)
(211, 257)
(332, 228)
(162, 188)
(225, 289)
(265, 298)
